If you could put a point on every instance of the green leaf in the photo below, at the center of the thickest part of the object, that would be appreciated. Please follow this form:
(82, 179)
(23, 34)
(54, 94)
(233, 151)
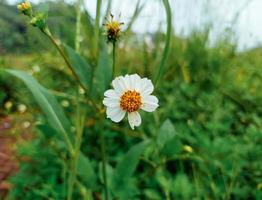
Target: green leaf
(122, 182)
(46, 130)
(172, 147)
(86, 172)
(48, 103)
(56, 119)
(103, 72)
(166, 133)
(82, 69)
(182, 187)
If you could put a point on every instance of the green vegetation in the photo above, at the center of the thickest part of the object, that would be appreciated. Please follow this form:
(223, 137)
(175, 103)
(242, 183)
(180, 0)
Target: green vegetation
(203, 142)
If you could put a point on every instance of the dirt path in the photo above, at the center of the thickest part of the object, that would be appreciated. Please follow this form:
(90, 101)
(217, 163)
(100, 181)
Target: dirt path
(8, 162)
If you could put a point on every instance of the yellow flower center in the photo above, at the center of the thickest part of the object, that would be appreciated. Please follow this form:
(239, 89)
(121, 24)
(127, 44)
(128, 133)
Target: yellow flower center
(24, 6)
(130, 101)
(113, 26)
(113, 30)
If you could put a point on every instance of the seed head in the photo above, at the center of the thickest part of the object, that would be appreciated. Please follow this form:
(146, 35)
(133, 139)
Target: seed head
(113, 29)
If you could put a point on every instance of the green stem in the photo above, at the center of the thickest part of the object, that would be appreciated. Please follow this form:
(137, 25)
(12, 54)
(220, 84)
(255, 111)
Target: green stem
(103, 151)
(78, 26)
(167, 41)
(75, 157)
(51, 37)
(96, 38)
(114, 60)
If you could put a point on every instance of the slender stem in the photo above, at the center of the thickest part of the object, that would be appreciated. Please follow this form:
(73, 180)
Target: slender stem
(50, 36)
(114, 60)
(103, 151)
(52, 39)
(75, 157)
(167, 41)
(98, 13)
(78, 26)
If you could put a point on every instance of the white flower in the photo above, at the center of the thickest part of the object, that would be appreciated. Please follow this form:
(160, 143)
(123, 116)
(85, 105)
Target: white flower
(130, 94)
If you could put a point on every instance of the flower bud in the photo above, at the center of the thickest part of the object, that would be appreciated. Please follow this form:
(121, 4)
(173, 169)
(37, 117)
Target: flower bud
(25, 8)
(188, 149)
(39, 21)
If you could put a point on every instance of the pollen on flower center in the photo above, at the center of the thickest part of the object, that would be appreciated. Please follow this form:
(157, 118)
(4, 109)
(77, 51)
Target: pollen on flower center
(130, 101)
(24, 6)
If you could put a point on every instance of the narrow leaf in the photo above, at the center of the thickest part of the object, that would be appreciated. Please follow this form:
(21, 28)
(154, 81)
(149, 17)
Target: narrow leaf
(48, 103)
(127, 165)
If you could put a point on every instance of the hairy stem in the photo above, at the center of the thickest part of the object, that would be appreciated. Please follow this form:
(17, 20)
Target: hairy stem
(62, 53)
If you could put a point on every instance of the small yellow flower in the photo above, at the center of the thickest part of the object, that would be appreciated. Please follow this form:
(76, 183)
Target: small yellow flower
(25, 8)
(188, 149)
(113, 29)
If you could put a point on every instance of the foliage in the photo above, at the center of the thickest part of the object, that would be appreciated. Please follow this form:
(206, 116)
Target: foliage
(204, 141)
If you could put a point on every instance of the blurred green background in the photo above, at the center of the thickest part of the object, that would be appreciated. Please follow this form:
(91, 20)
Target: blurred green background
(207, 130)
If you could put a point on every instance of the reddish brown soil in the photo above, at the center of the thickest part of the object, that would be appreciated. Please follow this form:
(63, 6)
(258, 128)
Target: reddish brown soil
(8, 164)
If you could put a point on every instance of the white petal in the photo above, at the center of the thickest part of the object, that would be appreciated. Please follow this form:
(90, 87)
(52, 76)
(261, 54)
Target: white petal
(112, 94)
(115, 114)
(150, 103)
(134, 119)
(127, 82)
(111, 102)
(116, 85)
(146, 86)
(135, 82)
(119, 84)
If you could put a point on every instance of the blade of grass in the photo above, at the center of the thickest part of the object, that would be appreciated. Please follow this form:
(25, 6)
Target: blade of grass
(97, 26)
(167, 41)
(80, 123)
(78, 26)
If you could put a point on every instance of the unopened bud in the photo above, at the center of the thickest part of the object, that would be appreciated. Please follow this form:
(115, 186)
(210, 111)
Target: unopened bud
(25, 8)
(39, 21)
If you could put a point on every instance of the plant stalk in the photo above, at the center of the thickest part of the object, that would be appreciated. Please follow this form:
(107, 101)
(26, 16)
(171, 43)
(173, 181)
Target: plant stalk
(97, 27)
(103, 151)
(78, 26)
(114, 60)
(167, 41)
(51, 37)
(75, 157)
